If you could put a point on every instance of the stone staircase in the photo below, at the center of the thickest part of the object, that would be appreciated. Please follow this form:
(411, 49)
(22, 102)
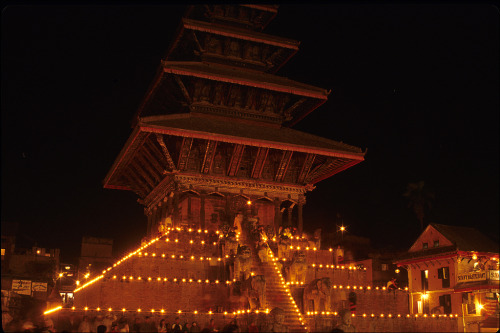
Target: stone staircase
(276, 294)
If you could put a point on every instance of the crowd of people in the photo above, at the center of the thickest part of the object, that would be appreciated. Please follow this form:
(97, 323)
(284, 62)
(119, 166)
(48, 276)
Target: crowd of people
(110, 323)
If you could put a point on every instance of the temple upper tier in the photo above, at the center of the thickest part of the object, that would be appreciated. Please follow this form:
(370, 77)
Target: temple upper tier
(214, 128)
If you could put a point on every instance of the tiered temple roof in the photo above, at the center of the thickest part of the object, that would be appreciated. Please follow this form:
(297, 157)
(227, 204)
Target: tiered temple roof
(216, 110)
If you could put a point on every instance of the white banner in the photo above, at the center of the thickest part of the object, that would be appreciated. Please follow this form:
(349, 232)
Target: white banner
(21, 287)
(39, 286)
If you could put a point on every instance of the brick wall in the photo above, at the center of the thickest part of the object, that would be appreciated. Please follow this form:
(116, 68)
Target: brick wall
(385, 324)
(367, 301)
(338, 276)
(170, 296)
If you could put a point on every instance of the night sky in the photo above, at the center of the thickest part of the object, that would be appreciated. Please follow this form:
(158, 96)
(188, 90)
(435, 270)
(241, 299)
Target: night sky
(415, 84)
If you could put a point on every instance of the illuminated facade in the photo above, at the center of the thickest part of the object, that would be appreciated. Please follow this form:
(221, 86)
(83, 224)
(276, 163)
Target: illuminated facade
(212, 146)
(453, 269)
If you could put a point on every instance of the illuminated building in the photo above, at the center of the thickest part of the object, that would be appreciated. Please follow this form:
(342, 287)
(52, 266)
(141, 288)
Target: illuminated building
(214, 129)
(453, 269)
(212, 144)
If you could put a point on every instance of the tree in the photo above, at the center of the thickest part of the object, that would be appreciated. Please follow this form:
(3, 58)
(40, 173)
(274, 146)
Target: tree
(419, 200)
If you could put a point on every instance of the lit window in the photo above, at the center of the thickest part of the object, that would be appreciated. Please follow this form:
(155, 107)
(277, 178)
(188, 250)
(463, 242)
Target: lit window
(436, 243)
(384, 267)
(424, 246)
(3, 252)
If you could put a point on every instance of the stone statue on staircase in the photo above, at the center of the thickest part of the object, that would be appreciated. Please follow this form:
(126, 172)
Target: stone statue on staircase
(346, 325)
(298, 268)
(243, 263)
(254, 289)
(277, 321)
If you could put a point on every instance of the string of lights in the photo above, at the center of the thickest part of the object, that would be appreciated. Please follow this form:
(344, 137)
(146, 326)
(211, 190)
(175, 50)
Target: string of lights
(354, 268)
(160, 311)
(179, 256)
(381, 315)
(348, 286)
(175, 280)
(247, 311)
(131, 254)
(287, 290)
(140, 250)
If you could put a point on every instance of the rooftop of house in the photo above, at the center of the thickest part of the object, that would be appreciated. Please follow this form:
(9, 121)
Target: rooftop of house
(466, 238)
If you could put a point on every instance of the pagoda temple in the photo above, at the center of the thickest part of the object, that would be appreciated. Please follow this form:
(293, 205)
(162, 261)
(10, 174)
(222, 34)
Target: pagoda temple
(213, 132)
(212, 149)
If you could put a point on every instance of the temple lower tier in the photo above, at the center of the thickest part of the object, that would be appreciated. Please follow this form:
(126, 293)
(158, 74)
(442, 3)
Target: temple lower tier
(210, 210)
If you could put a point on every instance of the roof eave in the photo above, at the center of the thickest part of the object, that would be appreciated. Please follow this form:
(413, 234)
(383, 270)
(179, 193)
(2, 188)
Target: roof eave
(251, 142)
(123, 153)
(318, 93)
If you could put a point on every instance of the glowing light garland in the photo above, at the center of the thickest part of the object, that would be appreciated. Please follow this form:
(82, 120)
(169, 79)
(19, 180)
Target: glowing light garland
(287, 290)
(140, 250)
(178, 256)
(390, 315)
(293, 283)
(165, 279)
(131, 254)
(163, 311)
(322, 266)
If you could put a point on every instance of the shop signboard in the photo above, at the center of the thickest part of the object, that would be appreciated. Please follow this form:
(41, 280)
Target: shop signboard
(493, 275)
(39, 286)
(472, 276)
(22, 287)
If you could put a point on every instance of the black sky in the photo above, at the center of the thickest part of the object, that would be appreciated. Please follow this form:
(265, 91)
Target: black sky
(415, 84)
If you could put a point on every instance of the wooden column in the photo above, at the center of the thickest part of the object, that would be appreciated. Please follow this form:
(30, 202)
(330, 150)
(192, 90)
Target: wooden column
(190, 214)
(290, 211)
(277, 215)
(300, 223)
(229, 215)
(154, 225)
(170, 204)
(149, 215)
(202, 211)
(176, 213)
(164, 211)
(153, 216)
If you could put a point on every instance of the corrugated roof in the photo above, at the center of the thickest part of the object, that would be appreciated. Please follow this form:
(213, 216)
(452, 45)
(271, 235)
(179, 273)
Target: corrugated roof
(467, 239)
(237, 129)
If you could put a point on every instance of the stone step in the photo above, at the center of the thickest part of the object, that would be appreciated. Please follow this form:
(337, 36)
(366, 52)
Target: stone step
(273, 288)
(276, 296)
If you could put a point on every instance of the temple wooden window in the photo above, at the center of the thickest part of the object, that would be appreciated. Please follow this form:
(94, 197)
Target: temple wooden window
(436, 243)
(425, 245)
(444, 275)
